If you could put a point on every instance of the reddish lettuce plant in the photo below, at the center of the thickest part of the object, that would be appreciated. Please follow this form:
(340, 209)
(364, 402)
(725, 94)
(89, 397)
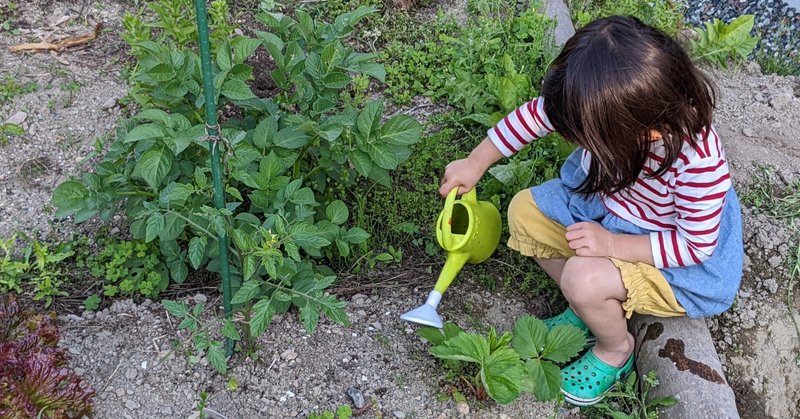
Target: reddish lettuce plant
(35, 380)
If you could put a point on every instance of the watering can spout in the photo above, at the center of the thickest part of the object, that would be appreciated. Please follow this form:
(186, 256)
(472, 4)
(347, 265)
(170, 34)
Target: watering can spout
(455, 261)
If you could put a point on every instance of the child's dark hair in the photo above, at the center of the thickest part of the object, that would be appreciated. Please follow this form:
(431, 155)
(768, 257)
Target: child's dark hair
(615, 81)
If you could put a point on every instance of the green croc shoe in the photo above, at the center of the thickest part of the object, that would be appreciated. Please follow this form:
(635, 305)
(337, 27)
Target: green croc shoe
(569, 317)
(586, 381)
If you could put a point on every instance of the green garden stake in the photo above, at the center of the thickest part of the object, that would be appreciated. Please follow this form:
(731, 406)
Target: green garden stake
(212, 129)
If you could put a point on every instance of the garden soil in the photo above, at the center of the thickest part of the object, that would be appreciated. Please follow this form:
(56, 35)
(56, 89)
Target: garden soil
(136, 359)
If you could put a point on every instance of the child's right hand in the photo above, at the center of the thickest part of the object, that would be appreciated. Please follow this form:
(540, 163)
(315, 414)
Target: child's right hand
(463, 174)
(466, 173)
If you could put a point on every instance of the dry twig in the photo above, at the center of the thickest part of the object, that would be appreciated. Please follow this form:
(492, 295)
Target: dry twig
(60, 44)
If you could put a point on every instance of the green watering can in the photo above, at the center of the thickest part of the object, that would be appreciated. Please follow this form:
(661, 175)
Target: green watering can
(469, 231)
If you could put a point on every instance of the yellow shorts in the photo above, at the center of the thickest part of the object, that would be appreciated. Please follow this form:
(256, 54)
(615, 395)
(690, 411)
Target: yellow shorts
(534, 234)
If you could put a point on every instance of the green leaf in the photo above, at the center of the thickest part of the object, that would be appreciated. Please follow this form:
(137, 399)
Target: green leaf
(197, 249)
(401, 130)
(503, 375)
(243, 48)
(156, 115)
(384, 156)
(216, 357)
(431, 334)
(369, 119)
(178, 310)
(545, 379)
(451, 330)
(224, 56)
(92, 302)
(175, 194)
(663, 402)
(290, 138)
(262, 317)
(343, 247)
(337, 212)
(530, 335)
(563, 343)
(154, 165)
(234, 193)
(336, 80)
(464, 347)
(161, 73)
(155, 223)
(307, 236)
(229, 330)
(173, 227)
(249, 267)
(145, 132)
(178, 271)
(355, 235)
(69, 197)
(376, 70)
(264, 132)
(237, 90)
(247, 292)
(361, 162)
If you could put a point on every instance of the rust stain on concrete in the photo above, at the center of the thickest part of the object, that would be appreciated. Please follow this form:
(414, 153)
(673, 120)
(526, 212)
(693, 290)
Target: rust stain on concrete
(675, 351)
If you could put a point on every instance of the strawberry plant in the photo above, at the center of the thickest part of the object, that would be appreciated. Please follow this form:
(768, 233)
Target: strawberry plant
(530, 364)
(35, 380)
(289, 157)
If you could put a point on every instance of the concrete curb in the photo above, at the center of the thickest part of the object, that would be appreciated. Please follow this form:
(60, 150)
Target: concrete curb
(558, 10)
(682, 353)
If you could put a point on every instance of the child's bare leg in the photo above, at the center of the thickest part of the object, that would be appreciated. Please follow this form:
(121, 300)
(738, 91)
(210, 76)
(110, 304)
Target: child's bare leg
(595, 291)
(553, 267)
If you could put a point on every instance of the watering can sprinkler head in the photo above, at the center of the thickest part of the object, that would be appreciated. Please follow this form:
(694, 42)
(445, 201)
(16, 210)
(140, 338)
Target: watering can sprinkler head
(426, 314)
(469, 230)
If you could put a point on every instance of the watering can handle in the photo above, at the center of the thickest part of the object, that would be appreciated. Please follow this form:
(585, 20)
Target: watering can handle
(447, 218)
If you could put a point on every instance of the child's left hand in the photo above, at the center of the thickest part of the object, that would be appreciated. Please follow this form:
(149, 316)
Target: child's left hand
(590, 239)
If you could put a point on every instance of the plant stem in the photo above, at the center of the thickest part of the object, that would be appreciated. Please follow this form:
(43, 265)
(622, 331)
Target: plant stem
(138, 193)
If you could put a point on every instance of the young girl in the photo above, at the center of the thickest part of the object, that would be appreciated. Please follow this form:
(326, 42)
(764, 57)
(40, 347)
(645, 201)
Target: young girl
(643, 218)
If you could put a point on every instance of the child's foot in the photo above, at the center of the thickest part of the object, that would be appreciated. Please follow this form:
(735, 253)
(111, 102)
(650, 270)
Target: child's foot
(587, 380)
(569, 317)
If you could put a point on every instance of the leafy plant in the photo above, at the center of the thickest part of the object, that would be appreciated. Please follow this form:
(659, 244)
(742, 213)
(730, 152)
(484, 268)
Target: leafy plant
(289, 157)
(625, 401)
(342, 412)
(36, 265)
(200, 335)
(130, 267)
(504, 372)
(35, 380)
(720, 42)
(9, 131)
(666, 15)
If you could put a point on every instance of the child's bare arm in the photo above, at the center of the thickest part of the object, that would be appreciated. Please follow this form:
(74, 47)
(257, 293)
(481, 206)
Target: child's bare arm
(591, 239)
(466, 173)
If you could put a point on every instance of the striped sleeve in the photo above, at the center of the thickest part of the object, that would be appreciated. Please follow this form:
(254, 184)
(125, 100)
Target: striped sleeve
(700, 190)
(520, 127)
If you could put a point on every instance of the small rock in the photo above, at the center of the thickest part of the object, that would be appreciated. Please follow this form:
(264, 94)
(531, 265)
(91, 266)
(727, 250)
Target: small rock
(399, 414)
(144, 365)
(780, 101)
(463, 409)
(74, 351)
(18, 118)
(131, 374)
(775, 261)
(200, 299)
(73, 318)
(110, 103)
(80, 371)
(748, 132)
(357, 397)
(288, 355)
(119, 392)
(166, 410)
(130, 404)
(772, 285)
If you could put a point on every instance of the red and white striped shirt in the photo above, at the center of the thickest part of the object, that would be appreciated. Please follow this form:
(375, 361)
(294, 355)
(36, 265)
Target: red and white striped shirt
(682, 207)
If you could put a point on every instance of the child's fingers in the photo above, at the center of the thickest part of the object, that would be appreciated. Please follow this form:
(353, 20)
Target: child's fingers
(577, 243)
(574, 234)
(577, 226)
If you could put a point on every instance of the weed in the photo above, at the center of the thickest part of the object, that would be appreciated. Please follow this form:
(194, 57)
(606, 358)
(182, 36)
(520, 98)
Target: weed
(342, 412)
(666, 15)
(720, 42)
(8, 14)
(764, 196)
(71, 86)
(37, 265)
(201, 404)
(10, 88)
(625, 401)
(9, 131)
